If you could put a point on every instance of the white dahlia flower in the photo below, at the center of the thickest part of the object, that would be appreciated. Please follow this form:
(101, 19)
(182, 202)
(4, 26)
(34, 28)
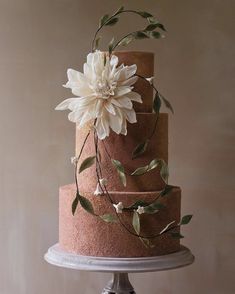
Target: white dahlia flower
(104, 93)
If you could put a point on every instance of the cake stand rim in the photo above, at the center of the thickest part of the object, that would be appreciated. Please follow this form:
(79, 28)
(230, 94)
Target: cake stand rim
(60, 258)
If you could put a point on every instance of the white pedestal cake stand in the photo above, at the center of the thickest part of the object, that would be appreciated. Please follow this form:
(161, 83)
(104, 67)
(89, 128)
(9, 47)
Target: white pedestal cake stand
(120, 267)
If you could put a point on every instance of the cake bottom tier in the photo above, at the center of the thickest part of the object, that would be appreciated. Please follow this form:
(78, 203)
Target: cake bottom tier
(85, 234)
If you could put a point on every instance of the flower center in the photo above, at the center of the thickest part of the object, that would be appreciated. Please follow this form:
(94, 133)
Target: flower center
(104, 89)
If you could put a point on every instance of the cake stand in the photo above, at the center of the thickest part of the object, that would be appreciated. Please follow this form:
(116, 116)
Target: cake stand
(120, 267)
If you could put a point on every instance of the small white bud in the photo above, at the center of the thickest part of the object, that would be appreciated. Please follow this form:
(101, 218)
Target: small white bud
(150, 80)
(140, 210)
(119, 207)
(74, 160)
(98, 190)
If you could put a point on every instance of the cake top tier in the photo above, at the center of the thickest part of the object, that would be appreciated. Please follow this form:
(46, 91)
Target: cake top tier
(145, 68)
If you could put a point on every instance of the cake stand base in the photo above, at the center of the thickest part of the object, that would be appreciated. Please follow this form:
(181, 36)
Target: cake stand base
(119, 284)
(119, 267)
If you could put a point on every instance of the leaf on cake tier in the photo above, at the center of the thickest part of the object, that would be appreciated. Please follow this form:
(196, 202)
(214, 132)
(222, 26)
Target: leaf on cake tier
(86, 204)
(186, 219)
(167, 227)
(74, 205)
(157, 103)
(88, 162)
(176, 235)
(167, 103)
(152, 165)
(120, 169)
(164, 171)
(140, 149)
(166, 190)
(147, 243)
(154, 207)
(136, 222)
(109, 218)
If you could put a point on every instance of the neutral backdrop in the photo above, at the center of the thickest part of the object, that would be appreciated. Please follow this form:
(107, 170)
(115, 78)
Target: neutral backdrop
(39, 40)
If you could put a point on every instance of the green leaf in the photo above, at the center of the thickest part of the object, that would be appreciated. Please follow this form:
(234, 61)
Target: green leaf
(118, 165)
(166, 227)
(120, 170)
(136, 222)
(111, 45)
(153, 164)
(161, 26)
(88, 162)
(109, 218)
(154, 207)
(157, 103)
(155, 35)
(86, 204)
(140, 35)
(97, 41)
(119, 10)
(74, 205)
(144, 14)
(164, 172)
(126, 40)
(104, 19)
(112, 21)
(166, 190)
(140, 171)
(140, 149)
(176, 235)
(167, 103)
(144, 169)
(186, 219)
(151, 27)
(147, 243)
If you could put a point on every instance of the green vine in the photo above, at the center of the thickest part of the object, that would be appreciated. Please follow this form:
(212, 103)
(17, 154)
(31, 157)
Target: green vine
(153, 207)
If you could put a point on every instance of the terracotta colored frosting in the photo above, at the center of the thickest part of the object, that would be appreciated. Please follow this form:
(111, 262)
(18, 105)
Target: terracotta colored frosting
(120, 147)
(86, 234)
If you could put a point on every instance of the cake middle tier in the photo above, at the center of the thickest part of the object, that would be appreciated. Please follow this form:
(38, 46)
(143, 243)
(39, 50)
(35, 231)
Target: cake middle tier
(120, 147)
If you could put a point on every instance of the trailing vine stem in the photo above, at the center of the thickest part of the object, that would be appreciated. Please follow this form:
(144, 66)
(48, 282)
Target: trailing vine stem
(106, 193)
(102, 25)
(156, 121)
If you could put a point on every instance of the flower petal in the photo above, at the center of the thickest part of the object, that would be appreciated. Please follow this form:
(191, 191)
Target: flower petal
(65, 104)
(129, 82)
(75, 78)
(115, 121)
(109, 107)
(120, 91)
(125, 102)
(127, 71)
(130, 115)
(134, 97)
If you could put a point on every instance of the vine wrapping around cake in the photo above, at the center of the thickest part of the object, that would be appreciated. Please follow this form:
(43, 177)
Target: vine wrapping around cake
(103, 104)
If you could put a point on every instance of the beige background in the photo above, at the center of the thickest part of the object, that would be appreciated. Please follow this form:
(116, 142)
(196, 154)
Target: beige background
(39, 40)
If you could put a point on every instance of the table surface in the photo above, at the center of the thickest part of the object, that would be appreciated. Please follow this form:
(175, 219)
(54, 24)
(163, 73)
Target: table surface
(60, 258)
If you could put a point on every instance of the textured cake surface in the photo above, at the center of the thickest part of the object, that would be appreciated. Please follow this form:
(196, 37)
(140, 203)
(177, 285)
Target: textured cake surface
(86, 234)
